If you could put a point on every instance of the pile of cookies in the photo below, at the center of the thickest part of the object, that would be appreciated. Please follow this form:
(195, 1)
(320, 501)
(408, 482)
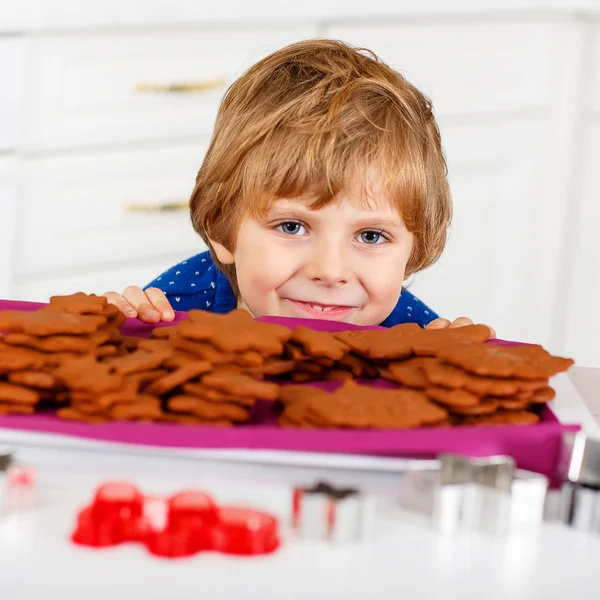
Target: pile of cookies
(71, 356)
(447, 377)
(34, 346)
(211, 369)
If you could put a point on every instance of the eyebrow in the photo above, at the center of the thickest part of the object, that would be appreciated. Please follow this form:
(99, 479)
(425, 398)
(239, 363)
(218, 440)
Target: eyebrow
(373, 221)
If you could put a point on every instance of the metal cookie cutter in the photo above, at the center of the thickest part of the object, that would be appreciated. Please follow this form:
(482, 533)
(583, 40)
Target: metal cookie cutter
(484, 494)
(330, 513)
(18, 483)
(6, 459)
(579, 468)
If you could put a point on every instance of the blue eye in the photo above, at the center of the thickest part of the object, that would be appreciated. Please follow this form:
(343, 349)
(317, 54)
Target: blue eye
(292, 228)
(372, 237)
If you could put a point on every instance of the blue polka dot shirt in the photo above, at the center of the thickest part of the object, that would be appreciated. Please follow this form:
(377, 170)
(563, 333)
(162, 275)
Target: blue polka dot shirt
(196, 283)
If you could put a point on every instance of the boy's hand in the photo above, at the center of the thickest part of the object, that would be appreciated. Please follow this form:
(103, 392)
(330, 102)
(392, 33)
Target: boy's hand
(460, 322)
(150, 306)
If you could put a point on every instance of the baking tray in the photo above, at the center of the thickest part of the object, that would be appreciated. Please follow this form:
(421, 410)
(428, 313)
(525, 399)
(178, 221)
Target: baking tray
(534, 447)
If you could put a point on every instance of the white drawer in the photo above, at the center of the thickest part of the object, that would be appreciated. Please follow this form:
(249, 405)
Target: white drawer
(75, 212)
(93, 89)
(582, 283)
(595, 71)
(8, 219)
(466, 68)
(491, 262)
(94, 281)
(11, 72)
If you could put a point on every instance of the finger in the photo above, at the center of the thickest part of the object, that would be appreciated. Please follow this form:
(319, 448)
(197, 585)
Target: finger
(121, 304)
(492, 332)
(159, 301)
(138, 299)
(438, 324)
(461, 322)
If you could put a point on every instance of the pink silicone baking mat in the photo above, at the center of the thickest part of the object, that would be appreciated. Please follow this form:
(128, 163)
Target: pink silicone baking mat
(534, 447)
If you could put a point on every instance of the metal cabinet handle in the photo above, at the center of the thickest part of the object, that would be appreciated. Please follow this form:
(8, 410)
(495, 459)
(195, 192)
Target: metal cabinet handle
(158, 208)
(181, 88)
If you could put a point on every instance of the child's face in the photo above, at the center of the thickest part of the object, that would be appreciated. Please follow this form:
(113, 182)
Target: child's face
(344, 262)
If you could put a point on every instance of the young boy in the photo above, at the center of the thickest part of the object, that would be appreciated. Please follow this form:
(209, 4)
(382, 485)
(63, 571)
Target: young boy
(323, 189)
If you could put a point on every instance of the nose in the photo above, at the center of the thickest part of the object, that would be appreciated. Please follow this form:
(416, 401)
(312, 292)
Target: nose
(329, 264)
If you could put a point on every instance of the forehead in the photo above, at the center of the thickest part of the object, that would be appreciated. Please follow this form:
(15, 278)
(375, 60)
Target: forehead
(366, 197)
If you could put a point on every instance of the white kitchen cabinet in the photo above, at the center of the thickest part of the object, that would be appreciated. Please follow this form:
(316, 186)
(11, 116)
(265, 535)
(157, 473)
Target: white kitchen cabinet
(504, 110)
(111, 88)
(469, 69)
(580, 293)
(97, 209)
(97, 280)
(581, 290)
(11, 91)
(105, 108)
(8, 218)
(487, 272)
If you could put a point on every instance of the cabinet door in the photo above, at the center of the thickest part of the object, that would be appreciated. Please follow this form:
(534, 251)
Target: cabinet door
(503, 93)
(580, 294)
(11, 74)
(97, 209)
(467, 68)
(489, 271)
(98, 280)
(8, 220)
(94, 89)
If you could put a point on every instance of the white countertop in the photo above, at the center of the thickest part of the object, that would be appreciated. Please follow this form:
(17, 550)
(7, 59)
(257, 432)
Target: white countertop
(587, 382)
(51, 15)
(404, 559)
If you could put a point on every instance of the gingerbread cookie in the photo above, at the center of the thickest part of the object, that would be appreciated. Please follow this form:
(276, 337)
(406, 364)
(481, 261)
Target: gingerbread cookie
(241, 385)
(453, 398)
(319, 344)
(46, 322)
(17, 359)
(172, 380)
(485, 406)
(502, 417)
(146, 407)
(40, 380)
(16, 409)
(73, 414)
(409, 373)
(235, 332)
(350, 406)
(17, 394)
(83, 304)
(523, 362)
(208, 410)
(443, 374)
(212, 395)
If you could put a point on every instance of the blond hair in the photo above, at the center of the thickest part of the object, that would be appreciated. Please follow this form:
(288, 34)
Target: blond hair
(312, 118)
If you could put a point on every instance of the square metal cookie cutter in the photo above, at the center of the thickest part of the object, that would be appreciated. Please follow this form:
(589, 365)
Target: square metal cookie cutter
(326, 512)
(579, 469)
(483, 494)
(6, 460)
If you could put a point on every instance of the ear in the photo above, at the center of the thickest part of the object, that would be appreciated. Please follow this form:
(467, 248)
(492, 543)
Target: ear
(224, 255)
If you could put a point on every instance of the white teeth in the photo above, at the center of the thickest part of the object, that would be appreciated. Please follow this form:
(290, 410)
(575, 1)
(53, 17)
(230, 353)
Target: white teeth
(322, 308)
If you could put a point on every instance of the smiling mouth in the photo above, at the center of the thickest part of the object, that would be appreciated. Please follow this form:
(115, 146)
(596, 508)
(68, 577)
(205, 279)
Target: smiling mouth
(317, 310)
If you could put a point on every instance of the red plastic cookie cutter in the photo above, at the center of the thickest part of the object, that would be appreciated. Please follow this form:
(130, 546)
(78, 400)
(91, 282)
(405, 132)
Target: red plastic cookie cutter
(182, 525)
(21, 484)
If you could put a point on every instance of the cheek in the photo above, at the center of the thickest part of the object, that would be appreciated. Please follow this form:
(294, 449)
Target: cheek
(261, 264)
(383, 280)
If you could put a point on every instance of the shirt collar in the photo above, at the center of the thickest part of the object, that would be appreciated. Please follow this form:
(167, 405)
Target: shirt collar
(225, 300)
